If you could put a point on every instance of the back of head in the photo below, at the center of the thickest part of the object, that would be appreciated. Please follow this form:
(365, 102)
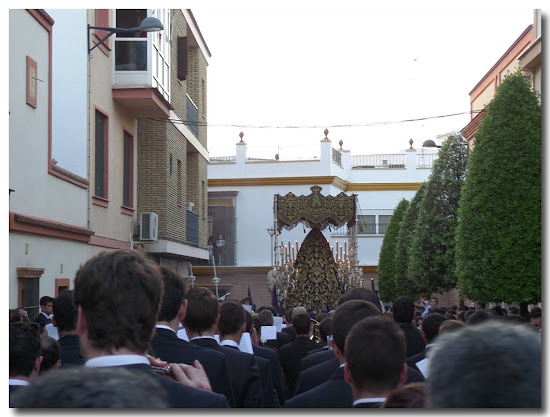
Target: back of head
(325, 328)
(493, 364)
(403, 310)
(248, 320)
(478, 317)
(51, 353)
(302, 324)
(375, 354)
(64, 312)
(430, 325)
(173, 294)
(298, 310)
(468, 314)
(45, 300)
(202, 309)
(92, 387)
(273, 310)
(24, 348)
(232, 317)
(450, 326)
(119, 293)
(15, 316)
(288, 316)
(359, 294)
(266, 318)
(407, 396)
(346, 316)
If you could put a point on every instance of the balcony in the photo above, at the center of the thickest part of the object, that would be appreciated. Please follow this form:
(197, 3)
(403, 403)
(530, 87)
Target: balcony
(378, 161)
(192, 117)
(192, 228)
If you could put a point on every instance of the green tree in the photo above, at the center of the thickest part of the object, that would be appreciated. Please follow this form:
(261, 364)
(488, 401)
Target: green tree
(386, 262)
(498, 249)
(405, 286)
(432, 254)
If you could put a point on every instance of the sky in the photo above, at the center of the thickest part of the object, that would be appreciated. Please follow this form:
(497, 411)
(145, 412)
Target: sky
(327, 66)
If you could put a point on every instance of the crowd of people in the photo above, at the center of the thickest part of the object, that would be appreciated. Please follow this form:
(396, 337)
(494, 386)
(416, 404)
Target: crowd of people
(119, 344)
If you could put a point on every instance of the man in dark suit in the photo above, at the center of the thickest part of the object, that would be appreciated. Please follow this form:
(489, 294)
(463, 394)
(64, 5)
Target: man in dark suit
(266, 319)
(336, 392)
(201, 319)
(292, 353)
(170, 348)
(289, 329)
(403, 314)
(430, 330)
(117, 295)
(231, 326)
(375, 360)
(64, 318)
(46, 306)
(25, 358)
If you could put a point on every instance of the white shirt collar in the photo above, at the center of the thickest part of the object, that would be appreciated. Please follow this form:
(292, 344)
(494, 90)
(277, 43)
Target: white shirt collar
(369, 400)
(163, 326)
(229, 342)
(19, 382)
(117, 360)
(45, 315)
(342, 365)
(204, 337)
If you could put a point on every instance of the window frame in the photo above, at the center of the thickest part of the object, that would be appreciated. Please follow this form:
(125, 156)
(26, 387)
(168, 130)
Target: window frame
(101, 200)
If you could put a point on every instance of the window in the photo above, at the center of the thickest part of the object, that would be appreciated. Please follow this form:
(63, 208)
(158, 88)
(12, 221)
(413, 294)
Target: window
(367, 224)
(180, 184)
(383, 221)
(101, 154)
(130, 48)
(29, 289)
(182, 58)
(128, 174)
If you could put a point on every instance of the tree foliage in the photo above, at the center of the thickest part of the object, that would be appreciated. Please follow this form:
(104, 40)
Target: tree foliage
(405, 286)
(386, 262)
(498, 250)
(432, 253)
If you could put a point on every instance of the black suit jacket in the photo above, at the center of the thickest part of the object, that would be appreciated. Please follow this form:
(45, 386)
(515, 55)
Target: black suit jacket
(276, 371)
(335, 393)
(417, 358)
(291, 356)
(70, 351)
(316, 375)
(413, 338)
(313, 359)
(368, 405)
(170, 348)
(42, 320)
(290, 331)
(181, 396)
(243, 374)
(282, 339)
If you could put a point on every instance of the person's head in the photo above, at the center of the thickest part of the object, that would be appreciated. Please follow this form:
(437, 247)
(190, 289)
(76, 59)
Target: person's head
(117, 295)
(468, 314)
(450, 316)
(478, 317)
(430, 326)
(450, 326)
(434, 301)
(266, 317)
(302, 324)
(172, 296)
(460, 315)
(321, 316)
(536, 317)
(423, 297)
(288, 316)
(256, 323)
(492, 365)
(298, 310)
(407, 396)
(514, 310)
(403, 310)
(15, 316)
(64, 312)
(232, 319)
(345, 317)
(375, 356)
(25, 358)
(273, 310)
(359, 294)
(51, 353)
(46, 304)
(480, 306)
(203, 309)
(325, 329)
(92, 387)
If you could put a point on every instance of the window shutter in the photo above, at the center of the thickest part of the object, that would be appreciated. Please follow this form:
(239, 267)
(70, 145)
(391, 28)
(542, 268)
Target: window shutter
(182, 58)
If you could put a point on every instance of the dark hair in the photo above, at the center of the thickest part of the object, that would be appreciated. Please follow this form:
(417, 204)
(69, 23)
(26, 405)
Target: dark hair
(120, 293)
(325, 328)
(536, 313)
(202, 309)
(468, 314)
(346, 315)
(232, 317)
(451, 325)
(256, 322)
(173, 294)
(15, 316)
(92, 387)
(375, 354)
(64, 312)
(403, 310)
(430, 325)
(45, 300)
(301, 323)
(51, 353)
(288, 315)
(266, 317)
(247, 320)
(460, 315)
(478, 317)
(24, 348)
(359, 294)
(407, 396)
(272, 309)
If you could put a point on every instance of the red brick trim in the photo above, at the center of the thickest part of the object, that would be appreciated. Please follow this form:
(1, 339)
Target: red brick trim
(69, 176)
(35, 225)
(102, 19)
(100, 201)
(109, 243)
(127, 210)
(144, 93)
(29, 272)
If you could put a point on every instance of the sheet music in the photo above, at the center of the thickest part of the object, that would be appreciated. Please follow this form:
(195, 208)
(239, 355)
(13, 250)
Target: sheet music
(269, 332)
(278, 323)
(52, 331)
(246, 344)
(423, 366)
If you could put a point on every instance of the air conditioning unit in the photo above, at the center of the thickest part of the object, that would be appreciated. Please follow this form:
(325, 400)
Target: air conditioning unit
(149, 226)
(191, 207)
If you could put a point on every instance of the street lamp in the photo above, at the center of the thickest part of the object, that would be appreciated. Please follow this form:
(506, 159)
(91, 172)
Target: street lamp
(149, 24)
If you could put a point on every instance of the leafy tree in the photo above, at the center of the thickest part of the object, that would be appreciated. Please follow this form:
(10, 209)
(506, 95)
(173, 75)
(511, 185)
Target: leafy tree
(405, 286)
(386, 262)
(498, 249)
(432, 253)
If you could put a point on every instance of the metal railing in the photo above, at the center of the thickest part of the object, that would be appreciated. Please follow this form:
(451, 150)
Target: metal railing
(192, 117)
(192, 227)
(378, 161)
(425, 160)
(363, 229)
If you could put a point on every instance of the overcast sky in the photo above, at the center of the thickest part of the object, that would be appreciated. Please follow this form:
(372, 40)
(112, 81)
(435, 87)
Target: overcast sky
(328, 66)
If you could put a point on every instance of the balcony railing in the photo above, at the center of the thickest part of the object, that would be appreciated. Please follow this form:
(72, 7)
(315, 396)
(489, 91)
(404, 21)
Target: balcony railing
(363, 229)
(425, 160)
(192, 227)
(192, 117)
(378, 161)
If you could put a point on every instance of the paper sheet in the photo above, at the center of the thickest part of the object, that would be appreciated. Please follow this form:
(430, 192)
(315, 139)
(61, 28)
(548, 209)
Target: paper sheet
(269, 333)
(278, 323)
(52, 331)
(246, 344)
(423, 366)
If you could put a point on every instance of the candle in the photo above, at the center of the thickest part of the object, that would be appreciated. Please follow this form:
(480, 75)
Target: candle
(190, 269)
(345, 246)
(332, 250)
(293, 257)
(214, 263)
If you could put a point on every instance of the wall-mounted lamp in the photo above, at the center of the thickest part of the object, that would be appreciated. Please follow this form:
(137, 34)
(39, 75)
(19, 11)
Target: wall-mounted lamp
(149, 24)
